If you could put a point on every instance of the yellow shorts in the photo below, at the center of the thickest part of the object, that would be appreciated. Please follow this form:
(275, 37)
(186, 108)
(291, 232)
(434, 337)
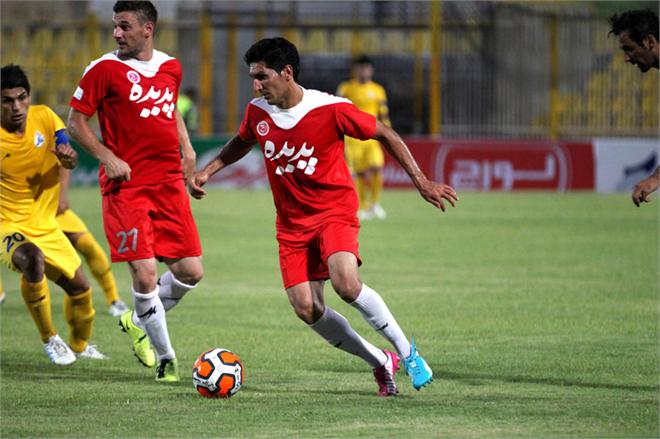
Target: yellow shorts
(362, 155)
(70, 222)
(60, 256)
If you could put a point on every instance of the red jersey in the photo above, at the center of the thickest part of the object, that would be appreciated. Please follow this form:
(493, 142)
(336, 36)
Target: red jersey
(135, 101)
(303, 148)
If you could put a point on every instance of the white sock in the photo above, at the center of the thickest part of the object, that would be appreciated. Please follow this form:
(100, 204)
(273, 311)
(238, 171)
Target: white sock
(172, 290)
(336, 330)
(149, 310)
(375, 312)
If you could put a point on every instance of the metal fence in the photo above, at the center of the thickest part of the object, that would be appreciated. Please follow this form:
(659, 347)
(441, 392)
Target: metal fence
(464, 69)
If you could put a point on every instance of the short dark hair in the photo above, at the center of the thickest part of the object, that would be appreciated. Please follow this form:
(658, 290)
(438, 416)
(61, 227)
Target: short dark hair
(638, 23)
(13, 76)
(145, 11)
(276, 53)
(362, 60)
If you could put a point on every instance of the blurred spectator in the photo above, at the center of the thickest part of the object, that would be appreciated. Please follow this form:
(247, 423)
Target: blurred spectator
(187, 105)
(365, 158)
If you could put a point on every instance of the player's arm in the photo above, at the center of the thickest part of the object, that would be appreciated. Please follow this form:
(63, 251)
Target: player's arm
(431, 191)
(234, 150)
(65, 153)
(189, 160)
(644, 188)
(81, 132)
(63, 202)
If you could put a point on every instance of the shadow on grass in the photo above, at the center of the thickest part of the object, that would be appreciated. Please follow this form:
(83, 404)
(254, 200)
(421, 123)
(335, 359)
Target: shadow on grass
(15, 369)
(476, 379)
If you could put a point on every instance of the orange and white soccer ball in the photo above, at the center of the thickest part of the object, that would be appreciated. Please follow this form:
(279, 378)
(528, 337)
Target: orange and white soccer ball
(218, 373)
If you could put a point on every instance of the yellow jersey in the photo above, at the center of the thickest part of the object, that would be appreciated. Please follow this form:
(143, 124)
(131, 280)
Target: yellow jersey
(369, 97)
(29, 172)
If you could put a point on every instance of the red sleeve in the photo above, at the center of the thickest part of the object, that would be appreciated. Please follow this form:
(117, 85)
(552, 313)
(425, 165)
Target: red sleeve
(353, 122)
(245, 132)
(91, 90)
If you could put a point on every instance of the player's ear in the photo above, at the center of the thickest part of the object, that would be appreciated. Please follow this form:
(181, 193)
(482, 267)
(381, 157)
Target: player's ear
(149, 27)
(287, 71)
(649, 42)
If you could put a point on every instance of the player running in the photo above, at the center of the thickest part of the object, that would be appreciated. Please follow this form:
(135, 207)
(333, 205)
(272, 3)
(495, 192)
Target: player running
(146, 210)
(33, 147)
(301, 133)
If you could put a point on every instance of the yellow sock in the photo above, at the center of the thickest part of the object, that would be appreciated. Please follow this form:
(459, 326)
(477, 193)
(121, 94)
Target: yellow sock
(360, 188)
(376, 187)
(37, 299)
(99, 266)
(79, 313)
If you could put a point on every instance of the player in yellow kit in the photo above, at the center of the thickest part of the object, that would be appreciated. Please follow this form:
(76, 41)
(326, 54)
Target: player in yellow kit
(75, 229)
(365, 158)
(33, 147)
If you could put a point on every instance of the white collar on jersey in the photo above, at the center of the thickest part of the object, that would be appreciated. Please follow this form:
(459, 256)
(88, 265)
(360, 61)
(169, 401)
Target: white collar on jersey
(289, 117)
(147, 69)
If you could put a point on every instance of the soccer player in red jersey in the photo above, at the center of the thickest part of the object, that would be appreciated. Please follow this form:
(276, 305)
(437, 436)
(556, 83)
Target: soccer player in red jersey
(146, 210)
(301, 133)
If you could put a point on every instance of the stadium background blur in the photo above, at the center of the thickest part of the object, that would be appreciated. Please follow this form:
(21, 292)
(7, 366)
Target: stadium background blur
(500, 71)
(496, 69)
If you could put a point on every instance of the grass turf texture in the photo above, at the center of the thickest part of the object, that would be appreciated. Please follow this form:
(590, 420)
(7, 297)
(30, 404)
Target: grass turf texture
(538, 313)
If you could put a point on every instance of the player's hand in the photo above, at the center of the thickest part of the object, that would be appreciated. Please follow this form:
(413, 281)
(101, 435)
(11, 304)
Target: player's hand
(643, 189)
(195, 185)
(116, 169)
(435, 192)
(188, 165)
(67, 155)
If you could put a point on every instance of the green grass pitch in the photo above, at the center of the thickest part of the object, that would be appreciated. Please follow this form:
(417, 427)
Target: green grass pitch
(538, 313)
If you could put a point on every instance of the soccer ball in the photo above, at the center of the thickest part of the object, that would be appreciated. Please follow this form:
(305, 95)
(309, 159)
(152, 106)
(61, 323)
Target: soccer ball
(218, 373)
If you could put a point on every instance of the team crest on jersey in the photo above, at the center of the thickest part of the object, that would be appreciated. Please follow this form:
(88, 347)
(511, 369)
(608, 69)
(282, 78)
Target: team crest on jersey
(39, 139)
(133, 76)
(263, 128)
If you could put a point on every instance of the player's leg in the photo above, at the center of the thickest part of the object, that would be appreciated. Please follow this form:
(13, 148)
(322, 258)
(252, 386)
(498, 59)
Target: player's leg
(343, 273)
(339, 247)
(354, 153)
(301, 260)
(28, 259)
(307, 301)
(375, 160)
(343, 267)
(150, 312)
(183, 275)
(79, 313)
(177, 244)
(128, 230)
(84, 242)
(99, 265)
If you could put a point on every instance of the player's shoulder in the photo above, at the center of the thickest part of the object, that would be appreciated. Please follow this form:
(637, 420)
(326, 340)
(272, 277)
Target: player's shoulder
(312, 100)
(101, 62)
(111, 61)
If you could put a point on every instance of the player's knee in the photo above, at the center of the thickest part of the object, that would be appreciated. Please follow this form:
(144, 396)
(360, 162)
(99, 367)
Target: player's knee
(144, 281)
(77, 287)
(30, 260)
(347, 288)
(305, 311)
(192, 276)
